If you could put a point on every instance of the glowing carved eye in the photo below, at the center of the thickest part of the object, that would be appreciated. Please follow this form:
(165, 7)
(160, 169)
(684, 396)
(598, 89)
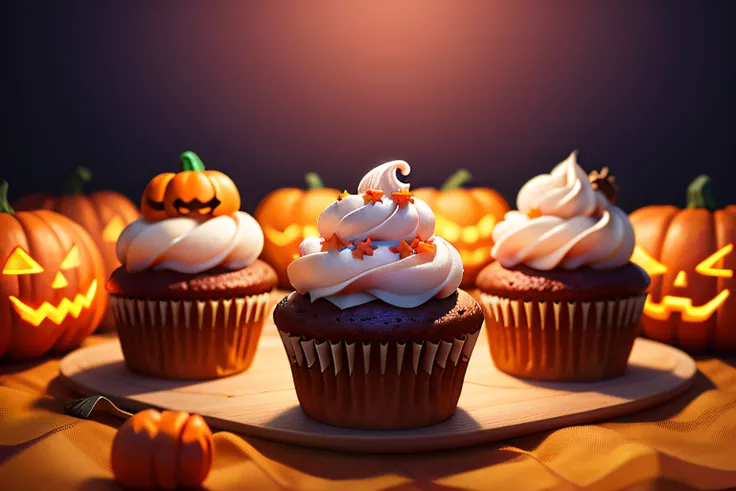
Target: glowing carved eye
(72, 259)
(650, 265)
(20, 262)
(706, 267)
(113, 229)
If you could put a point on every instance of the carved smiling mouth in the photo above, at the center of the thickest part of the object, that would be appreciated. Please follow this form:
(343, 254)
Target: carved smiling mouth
(58, 313)
(669, 304)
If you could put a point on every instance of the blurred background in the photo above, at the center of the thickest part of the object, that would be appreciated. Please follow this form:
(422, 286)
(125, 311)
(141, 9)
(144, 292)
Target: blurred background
(266, 91)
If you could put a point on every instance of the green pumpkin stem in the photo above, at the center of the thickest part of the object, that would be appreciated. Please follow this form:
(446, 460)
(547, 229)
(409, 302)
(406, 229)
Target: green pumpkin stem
(462, 176)
(190, 161)
(74, 182)
(313, 180)
(700, 193)
(4, 203)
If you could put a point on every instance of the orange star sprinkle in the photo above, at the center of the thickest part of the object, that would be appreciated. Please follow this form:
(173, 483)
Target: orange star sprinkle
(404, 249)
(426, 247)
(402, 198)
(334, 243)
(534, 213)
(344, 194)
(373, 196)
(363, 248)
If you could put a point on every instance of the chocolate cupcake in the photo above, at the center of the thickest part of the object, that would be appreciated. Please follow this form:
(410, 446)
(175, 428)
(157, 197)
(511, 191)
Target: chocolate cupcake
(378, 334)
(190, 298)
(563, 301)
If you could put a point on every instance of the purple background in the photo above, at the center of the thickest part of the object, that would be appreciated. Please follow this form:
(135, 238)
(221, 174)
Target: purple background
(266, 91)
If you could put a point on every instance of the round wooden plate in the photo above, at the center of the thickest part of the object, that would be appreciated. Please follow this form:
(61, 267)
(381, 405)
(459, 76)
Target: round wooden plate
(262, 403)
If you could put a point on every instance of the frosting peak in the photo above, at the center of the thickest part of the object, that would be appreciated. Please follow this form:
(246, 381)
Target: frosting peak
(384, 178)
(563, 221)
(377, 244)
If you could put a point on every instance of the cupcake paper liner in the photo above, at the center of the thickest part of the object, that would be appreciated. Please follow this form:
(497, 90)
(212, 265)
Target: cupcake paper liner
(189, 339)
(378, 385)
(563, 341)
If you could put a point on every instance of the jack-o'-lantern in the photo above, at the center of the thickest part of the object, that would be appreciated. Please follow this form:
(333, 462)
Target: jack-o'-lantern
(51, 276)
(690, 257)
(289, 215)
(103, 214)
(168, 450)
(466, 218)
(192, 192)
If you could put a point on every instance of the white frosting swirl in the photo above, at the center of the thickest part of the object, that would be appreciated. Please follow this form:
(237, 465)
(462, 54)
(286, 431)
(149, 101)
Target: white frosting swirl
(347, 281)
(571, 225)
(191, 245)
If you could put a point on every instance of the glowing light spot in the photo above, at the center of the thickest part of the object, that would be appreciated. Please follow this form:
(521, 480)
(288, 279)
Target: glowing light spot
(661, 311)
(113, 229)
(681, 280)
(55, 314)
(59, 281)
(20, 262)
(650, 265)
(706, 267)
(71, 260)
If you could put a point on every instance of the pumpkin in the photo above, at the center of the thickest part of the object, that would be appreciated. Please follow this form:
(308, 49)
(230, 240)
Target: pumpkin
(168, 450)
(287, 216)
(192, 192)
(466, 218)
(103, 214)
(51, 282)
(689, 255)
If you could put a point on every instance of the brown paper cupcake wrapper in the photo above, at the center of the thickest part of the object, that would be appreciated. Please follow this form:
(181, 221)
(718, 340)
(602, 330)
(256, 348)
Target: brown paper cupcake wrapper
(379, 385)
(565, 341)
(189, 339)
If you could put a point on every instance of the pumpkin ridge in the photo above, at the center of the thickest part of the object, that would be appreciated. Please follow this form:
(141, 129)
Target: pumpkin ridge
(66, 334)
(31, 281)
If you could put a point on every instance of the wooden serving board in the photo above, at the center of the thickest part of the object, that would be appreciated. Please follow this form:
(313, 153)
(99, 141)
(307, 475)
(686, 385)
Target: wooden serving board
(262, 403)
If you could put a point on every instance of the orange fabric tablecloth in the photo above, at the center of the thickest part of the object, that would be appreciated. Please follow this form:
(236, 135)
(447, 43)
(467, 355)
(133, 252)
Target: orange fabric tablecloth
(688, 443)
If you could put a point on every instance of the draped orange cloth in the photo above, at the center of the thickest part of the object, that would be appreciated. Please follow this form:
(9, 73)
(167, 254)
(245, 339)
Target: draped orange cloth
(688, 443)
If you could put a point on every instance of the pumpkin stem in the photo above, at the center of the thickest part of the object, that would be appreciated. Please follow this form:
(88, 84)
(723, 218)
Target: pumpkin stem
(700, 193)
(456, 180)
(313, 180)
(4, 203)
(190, 161)
(74, 182)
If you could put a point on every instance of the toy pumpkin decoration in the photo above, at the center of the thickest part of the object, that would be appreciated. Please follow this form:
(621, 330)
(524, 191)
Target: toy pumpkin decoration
(103, 214)
(168, 450)
(51, 279)
(289, 215)
(689, 255)
(192, 192)
(466, 218)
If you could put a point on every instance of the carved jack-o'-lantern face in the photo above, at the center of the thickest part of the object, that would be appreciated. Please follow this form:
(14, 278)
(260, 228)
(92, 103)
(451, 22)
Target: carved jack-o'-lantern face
(690, 257)
(288, 216)
(466, 218)
(21, 263)
(192, 192)
(103, 214)
(51, 274)
(684, 304)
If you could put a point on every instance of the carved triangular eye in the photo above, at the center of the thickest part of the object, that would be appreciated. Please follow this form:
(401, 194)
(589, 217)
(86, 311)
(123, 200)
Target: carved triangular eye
(706, 266)
(72, 259)
(20, 262)
(650, 265)
(113, 229)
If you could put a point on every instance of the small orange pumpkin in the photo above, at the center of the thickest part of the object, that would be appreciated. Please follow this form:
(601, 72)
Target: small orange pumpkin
(466, 218)
(51, 279)
(690, 257)
(289, 215)
(103, 214)
(192, 192)
(168, 450)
